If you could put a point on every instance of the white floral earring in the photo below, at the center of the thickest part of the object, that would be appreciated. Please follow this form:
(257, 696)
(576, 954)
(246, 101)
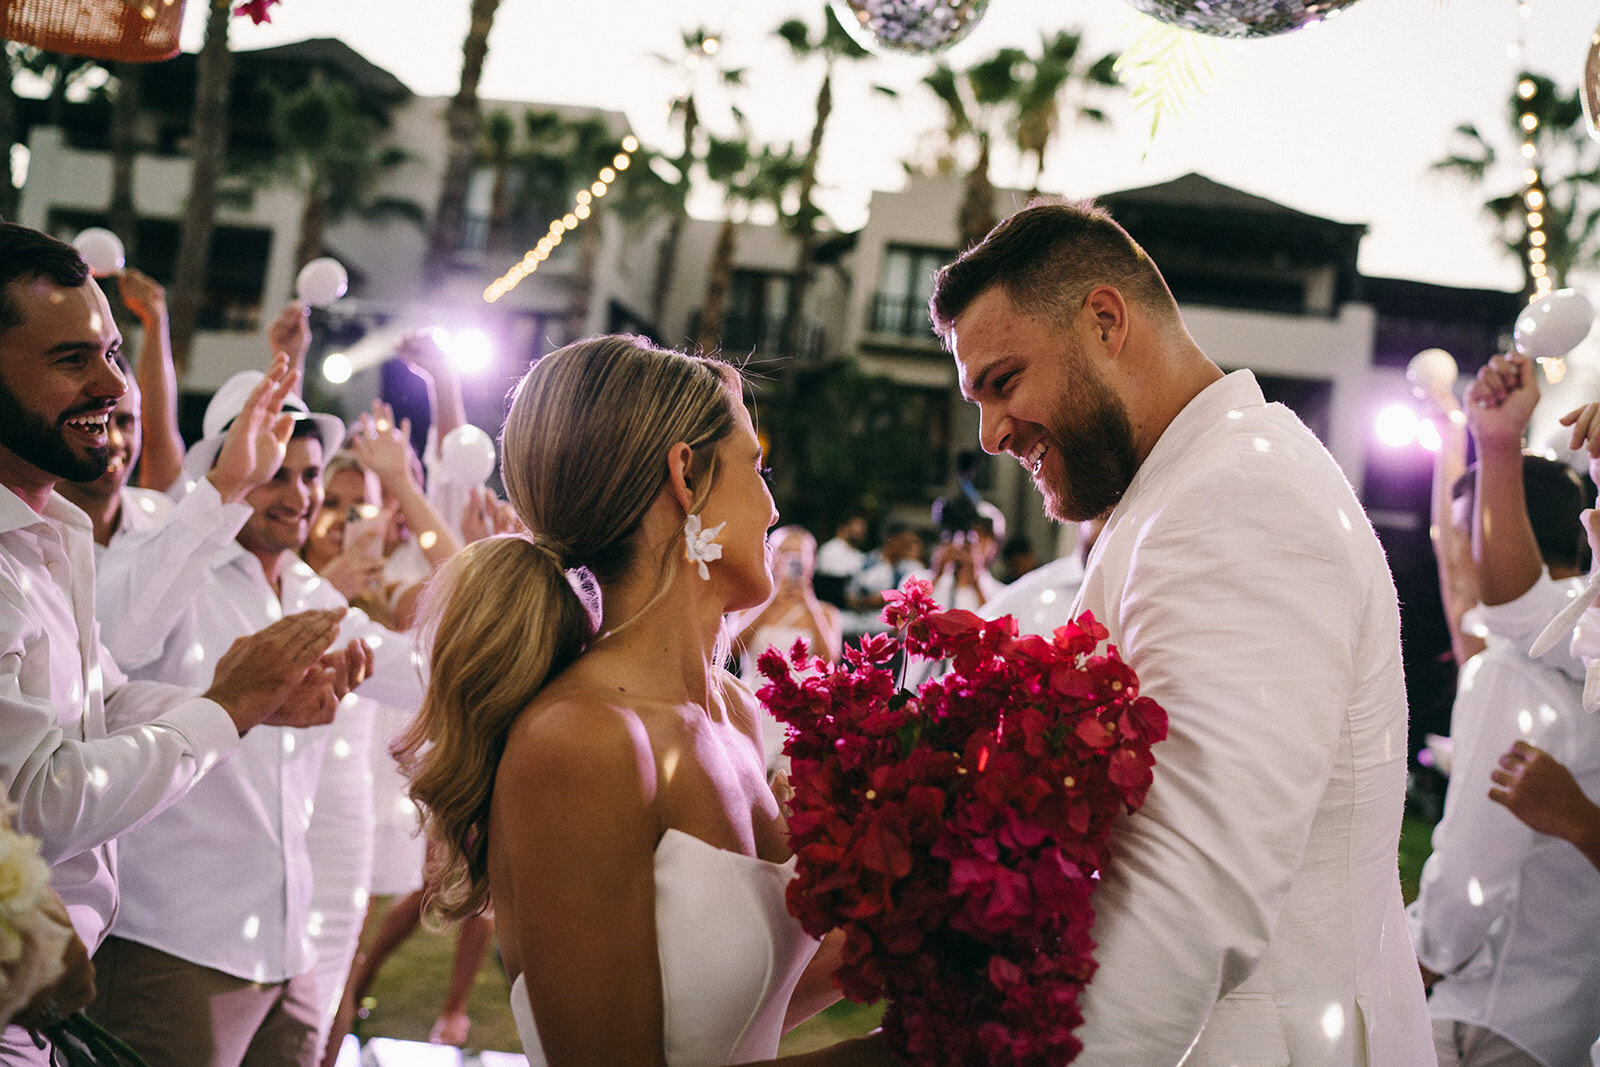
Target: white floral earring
(700, 546)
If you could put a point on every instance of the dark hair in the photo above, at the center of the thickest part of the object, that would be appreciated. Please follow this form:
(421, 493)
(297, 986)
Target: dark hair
(1017, 546)
(1047, 257)
(26, 253)
(955, 513)
(1554, 494)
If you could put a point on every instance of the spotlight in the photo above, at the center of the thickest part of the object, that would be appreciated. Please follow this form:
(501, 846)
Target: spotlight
(469, 350)
(337, 368)
(1396, 426)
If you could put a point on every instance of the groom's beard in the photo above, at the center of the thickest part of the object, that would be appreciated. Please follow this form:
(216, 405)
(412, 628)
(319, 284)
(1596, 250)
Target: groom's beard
(1092, 438)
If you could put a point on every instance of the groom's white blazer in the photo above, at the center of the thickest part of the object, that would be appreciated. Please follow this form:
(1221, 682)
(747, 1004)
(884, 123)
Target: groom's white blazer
(1251, 912)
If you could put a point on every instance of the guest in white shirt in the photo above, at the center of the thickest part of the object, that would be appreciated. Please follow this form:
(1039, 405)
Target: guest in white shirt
(84, 755)
(1505, 918)
(839, 559)
(1251, 912)
(211, 957)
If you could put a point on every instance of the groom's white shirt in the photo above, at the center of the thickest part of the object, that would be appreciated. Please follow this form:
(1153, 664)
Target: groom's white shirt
(1251, 912)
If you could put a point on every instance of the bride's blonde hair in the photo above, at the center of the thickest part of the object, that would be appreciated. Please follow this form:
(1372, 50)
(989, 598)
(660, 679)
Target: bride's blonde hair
(584, 456)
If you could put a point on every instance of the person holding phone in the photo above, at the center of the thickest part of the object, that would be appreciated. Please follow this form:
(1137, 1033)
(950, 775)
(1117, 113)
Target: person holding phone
(793, 613)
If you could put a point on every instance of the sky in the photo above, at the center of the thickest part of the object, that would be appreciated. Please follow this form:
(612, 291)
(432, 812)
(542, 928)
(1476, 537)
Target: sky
(1341, 119)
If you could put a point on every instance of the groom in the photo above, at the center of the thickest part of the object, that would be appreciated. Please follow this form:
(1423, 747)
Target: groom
(1251, 911)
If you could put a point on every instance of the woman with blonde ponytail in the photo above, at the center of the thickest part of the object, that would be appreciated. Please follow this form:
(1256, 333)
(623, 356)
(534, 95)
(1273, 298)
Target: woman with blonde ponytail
(582, 755)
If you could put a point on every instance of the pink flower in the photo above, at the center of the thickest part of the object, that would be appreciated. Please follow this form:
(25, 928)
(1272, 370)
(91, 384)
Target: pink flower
(258, 10)
(952, 834)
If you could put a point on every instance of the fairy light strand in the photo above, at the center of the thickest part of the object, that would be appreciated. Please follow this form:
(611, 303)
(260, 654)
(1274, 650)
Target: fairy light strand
(582, 207)
(1534, 199)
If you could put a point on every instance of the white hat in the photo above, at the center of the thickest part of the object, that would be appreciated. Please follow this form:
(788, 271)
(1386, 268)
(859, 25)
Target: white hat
(225, 407)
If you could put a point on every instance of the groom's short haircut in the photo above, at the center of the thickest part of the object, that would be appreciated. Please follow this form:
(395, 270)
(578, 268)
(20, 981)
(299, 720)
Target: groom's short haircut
(1047, 257)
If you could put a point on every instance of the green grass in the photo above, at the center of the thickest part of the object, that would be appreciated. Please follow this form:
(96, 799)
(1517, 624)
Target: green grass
(412, 984)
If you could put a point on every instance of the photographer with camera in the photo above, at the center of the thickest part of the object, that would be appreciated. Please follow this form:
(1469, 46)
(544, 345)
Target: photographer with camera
(793, 613)
(970, 533)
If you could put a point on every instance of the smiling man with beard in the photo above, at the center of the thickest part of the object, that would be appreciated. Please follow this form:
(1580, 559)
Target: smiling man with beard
(85, 756)
(211, 957)
(1252, 910)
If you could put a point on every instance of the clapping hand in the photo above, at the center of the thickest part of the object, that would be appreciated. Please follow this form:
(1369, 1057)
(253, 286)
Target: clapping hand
(315, 699)
(258, 439)
(259, 671)
(383, 446)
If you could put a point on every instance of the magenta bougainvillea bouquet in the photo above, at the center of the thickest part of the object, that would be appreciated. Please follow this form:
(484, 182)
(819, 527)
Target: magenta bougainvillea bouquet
(954, 834)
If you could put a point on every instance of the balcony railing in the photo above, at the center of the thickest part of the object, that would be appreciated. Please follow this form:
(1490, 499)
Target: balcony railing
(899, 315)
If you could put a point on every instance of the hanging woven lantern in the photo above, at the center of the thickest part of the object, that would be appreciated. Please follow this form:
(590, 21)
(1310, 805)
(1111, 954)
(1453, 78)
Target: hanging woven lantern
(135, 31)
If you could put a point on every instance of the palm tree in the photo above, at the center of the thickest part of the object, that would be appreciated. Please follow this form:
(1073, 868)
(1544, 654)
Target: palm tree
(122, 213)
(1025, 95)
(833, 46)
(332, 153)
(208, 154)
(748, 177)
(700, 45)
(1564, 189)
(1043, 100)
(974, 102)
(496, 149)
(461, 127)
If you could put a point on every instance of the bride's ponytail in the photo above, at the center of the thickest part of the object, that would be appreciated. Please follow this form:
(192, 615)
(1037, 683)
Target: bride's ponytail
(583, 460)
(504, 619)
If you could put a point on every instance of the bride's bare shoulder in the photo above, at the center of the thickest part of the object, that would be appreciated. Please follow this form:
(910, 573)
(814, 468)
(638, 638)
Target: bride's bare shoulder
(580, 732)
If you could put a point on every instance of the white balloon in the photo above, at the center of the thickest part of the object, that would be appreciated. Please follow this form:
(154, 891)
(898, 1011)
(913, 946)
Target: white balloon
(1431, 371)
(1552, 326)
(102, 250)
(321, 282)
(467, 455)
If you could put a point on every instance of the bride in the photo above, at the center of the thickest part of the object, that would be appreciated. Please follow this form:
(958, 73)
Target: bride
(582, 754)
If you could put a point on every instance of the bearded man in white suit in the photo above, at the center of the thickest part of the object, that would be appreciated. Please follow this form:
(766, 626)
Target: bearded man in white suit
(1251, 912)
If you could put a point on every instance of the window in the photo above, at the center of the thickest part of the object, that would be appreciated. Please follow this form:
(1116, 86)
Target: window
(236, 265)
(905, 283)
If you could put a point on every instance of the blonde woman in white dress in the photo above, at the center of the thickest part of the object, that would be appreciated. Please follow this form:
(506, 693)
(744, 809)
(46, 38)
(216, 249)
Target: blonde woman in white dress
(587, 762)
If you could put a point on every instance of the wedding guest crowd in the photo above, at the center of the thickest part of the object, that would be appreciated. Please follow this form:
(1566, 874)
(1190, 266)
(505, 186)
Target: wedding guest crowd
(1504, 920)
(214, 648)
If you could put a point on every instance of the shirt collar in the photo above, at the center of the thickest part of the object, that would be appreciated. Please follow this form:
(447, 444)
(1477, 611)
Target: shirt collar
(15, 514)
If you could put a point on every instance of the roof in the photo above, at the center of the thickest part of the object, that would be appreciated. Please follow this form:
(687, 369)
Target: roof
(1196, 191)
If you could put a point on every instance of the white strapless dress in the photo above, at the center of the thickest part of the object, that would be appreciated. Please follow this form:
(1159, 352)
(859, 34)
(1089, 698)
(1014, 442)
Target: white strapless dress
(730, 955)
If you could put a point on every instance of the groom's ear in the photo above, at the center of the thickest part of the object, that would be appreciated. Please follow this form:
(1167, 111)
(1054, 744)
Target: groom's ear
(679, 482)
(1107, 315)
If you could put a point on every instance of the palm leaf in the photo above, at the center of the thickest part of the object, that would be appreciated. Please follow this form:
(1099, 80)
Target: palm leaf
(1165, 68)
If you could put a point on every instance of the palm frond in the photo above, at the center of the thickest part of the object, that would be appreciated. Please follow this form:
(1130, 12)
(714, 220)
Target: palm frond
(1164, 68)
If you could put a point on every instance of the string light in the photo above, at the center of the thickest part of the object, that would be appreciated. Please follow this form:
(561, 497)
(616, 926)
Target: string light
(569, 220)
(1533, 194)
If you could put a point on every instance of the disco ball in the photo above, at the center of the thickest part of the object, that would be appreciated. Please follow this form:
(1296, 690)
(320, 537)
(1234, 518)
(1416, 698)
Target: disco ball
(908, 27)
(1591, 86)
(1240, 18)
